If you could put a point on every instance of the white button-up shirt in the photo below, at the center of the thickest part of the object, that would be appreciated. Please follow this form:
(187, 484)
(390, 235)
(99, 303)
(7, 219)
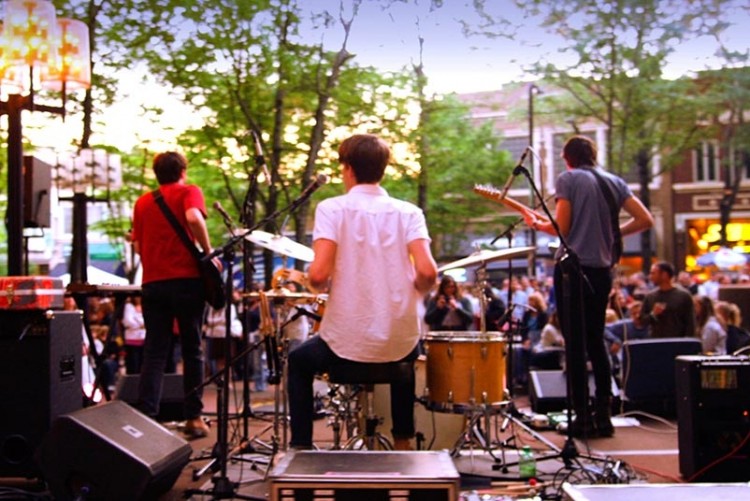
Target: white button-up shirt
(373, 311)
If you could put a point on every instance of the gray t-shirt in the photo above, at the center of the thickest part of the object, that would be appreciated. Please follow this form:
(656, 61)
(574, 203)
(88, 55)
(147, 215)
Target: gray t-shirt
(591, 235)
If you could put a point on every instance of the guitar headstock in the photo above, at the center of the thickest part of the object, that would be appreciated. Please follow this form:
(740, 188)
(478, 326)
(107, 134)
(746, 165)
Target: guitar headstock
(488, 191)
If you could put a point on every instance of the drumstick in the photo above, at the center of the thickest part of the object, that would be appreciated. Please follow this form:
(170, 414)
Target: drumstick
(491, 193)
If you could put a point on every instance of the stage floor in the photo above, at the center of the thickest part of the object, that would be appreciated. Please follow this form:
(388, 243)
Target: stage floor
(643, 450)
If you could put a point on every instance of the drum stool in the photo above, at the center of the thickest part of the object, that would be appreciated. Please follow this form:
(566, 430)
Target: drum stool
(367, 375)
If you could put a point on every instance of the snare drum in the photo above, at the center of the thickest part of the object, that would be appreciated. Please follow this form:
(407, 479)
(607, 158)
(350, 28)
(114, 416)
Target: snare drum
(465, 369)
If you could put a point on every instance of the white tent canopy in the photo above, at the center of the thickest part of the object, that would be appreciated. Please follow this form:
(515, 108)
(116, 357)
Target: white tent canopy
(98, 277)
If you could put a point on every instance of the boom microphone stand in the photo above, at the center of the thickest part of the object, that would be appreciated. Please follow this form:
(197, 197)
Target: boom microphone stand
(570, 266)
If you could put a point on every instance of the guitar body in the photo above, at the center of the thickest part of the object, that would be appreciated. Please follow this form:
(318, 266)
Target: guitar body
(213, 284)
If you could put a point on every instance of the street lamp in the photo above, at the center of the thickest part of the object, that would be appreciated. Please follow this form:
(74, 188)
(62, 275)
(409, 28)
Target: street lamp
(37, 50)
(86, 173)
(533, 89)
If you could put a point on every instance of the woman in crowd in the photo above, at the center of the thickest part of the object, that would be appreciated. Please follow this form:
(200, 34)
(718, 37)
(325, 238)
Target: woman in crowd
(710, 331)
(448, 310)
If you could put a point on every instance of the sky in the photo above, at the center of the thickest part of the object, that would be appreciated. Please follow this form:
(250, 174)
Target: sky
(389, 41)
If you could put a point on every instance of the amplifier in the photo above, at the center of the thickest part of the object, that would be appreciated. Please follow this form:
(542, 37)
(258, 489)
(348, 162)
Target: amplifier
(713, 416)
(371, 475)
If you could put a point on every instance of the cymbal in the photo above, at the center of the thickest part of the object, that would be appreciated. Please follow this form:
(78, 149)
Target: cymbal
(281, 245)
(485, 256)
(282, 294)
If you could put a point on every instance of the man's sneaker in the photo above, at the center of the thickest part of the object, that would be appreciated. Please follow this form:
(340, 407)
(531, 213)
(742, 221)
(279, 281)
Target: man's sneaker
(196, 428)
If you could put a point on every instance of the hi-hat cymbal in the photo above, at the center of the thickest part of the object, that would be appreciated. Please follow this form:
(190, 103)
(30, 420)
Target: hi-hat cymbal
(281, 245)
(485, 256)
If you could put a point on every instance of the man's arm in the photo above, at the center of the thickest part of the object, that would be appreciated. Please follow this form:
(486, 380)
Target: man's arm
(424, 265)
(321, 269)
(641, 218)
(198, 228)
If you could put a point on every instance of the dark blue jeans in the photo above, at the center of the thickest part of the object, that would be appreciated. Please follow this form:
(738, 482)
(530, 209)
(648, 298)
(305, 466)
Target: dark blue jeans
(163, 301)
(582, 316)
(315, 357)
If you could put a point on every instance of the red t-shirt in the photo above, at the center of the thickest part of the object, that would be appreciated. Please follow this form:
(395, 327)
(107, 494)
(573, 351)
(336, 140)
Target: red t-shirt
(163, 255)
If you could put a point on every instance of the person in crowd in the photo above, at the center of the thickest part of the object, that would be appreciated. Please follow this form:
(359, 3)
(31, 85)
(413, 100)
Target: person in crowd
(512, 295)
(214, 330)
(494, 310)
(583, 271)
(372, 253)
(730, 316)
(533, 320)
(685, 280)
(548, 352)
(711, 286)
(172, 286)
(668, 310)
(712, 334)
(134, 334)
(448, 309)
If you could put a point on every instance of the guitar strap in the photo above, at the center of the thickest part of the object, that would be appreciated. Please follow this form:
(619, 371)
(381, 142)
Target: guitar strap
(614, 212)
(176, 225)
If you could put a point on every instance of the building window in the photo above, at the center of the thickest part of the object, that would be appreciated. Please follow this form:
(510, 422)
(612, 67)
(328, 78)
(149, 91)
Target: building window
(515, 146)
(706, 162)
(740, 164)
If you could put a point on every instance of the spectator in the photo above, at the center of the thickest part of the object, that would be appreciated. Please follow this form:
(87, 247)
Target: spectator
(711, 332)
(731, 318)
(448, 310)
(668, 310)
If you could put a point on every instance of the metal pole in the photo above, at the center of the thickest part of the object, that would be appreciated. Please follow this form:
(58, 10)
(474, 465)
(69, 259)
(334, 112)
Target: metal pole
(79, 253)
(14, 227)
(532, 233)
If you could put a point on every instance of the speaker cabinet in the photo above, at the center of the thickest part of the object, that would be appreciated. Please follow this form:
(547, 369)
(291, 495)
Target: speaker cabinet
(37, 185)
(40, 367)
(111, 451)
(548, 390)
(713, 417)
(172, 405)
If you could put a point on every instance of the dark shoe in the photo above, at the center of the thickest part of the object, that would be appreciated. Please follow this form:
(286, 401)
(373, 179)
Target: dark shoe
(196, 428)
(604, 427)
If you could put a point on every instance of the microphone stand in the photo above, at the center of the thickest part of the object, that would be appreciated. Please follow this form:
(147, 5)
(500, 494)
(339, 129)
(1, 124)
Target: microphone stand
(569, 265)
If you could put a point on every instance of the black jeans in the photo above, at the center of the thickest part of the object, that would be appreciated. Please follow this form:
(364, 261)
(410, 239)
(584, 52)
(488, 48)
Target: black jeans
(313, 357)
(581, 307)
(163, 302)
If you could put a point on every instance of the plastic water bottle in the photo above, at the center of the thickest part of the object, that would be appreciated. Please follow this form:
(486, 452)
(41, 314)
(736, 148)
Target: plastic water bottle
(526, 463)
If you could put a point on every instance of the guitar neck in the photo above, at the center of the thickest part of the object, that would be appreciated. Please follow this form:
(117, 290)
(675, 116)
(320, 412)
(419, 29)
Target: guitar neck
(496, 195)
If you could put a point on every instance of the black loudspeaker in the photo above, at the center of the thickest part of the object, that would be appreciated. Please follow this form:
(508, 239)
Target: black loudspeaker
(171, 407)
(40, 370)
(548, 390)
(37, 186)
(111, 452)
(713, 417)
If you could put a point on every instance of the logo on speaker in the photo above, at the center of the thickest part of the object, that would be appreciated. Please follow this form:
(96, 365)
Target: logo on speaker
(135, 432)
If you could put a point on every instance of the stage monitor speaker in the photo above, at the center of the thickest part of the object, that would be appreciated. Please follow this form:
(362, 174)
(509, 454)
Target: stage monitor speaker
(171, 407)
(548, 390)
(37, 188)
(40, 367)
(713, 417)
(111, 451)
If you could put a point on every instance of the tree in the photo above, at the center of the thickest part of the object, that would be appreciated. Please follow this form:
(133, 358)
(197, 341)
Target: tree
(618, 50)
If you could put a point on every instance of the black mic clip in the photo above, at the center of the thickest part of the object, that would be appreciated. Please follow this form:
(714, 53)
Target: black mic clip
(520, 169)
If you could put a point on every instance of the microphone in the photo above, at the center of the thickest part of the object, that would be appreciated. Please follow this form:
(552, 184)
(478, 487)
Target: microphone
(516, 171)
(260, 159)
(309, 190)
(227, 218)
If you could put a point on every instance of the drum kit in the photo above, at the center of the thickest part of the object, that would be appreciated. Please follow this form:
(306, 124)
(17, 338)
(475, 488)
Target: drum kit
(466, 371)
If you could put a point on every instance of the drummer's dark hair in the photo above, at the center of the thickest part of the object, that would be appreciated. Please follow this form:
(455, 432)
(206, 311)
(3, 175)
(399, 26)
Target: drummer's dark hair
(367, 155)
(168, 167)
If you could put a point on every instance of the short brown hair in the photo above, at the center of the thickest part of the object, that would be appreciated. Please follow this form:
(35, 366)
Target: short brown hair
(580, 151)
(169, 166)
(367, 155)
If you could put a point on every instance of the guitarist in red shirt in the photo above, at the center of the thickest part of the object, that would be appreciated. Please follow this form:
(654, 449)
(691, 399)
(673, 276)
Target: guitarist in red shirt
(172, 287)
